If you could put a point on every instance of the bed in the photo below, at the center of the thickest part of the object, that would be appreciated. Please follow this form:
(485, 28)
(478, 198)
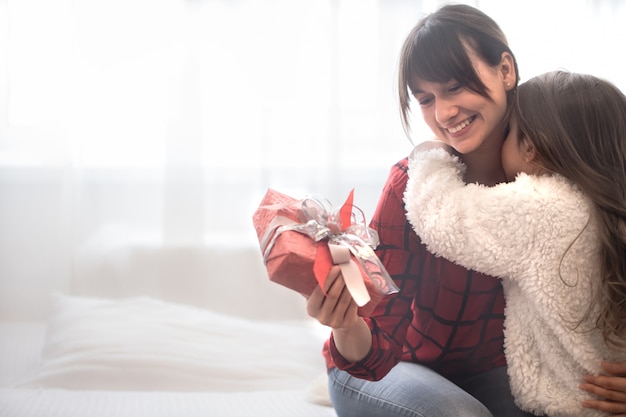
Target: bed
(105, 349)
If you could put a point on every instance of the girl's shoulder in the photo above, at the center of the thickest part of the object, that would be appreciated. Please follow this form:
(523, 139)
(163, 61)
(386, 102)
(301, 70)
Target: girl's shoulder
(550, 185)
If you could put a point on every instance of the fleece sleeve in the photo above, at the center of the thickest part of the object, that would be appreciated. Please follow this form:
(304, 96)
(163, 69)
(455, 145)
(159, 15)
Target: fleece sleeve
(496, 230)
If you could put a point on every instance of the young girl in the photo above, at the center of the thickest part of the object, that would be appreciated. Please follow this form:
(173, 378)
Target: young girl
(556, 235)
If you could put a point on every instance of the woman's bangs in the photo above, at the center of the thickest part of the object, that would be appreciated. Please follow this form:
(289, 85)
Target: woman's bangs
(439, 56)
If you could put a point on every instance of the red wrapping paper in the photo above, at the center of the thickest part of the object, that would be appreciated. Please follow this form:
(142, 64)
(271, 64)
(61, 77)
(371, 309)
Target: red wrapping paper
(292, 258)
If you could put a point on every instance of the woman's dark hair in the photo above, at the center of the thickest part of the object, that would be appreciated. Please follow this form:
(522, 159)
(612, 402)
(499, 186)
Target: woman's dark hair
(435, 51)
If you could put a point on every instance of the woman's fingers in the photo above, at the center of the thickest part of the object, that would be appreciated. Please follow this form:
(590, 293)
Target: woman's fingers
(611, 389)
(613, 408)
(336, 308)
(345, 311)
(607, 387)
(616, 369)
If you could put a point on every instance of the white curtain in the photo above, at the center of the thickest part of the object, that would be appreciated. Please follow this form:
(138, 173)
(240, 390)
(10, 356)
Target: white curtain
(163, 122)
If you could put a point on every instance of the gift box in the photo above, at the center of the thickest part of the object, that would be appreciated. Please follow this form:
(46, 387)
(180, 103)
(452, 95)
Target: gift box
(301, 240)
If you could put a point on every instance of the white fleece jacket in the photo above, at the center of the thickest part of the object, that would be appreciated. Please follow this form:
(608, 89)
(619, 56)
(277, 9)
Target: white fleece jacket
(536, 234)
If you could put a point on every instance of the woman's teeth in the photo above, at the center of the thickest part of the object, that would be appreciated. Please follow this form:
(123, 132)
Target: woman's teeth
(460, 126)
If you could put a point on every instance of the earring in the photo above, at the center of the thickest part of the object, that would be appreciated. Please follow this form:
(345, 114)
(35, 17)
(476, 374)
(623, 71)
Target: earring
(508, 85)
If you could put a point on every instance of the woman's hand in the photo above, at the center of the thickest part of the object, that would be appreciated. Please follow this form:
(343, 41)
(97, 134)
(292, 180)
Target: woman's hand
(338, 310)
(611, 388)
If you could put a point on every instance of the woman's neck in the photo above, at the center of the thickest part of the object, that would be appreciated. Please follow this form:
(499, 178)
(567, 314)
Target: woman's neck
(484, 168)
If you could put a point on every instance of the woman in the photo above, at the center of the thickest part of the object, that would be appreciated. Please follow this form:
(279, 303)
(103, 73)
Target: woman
(435, 348)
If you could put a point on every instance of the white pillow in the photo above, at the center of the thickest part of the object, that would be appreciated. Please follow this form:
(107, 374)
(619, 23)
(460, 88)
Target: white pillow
(141, 343)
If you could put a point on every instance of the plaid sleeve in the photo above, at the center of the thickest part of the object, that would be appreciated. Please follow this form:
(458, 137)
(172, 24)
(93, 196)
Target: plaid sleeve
(398, 252)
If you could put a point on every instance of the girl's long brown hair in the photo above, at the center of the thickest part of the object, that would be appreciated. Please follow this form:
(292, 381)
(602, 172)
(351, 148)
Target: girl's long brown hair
(577, 126)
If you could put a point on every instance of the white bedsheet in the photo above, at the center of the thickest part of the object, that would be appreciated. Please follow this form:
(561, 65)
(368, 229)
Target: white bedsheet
(65, 403)
(21, 360)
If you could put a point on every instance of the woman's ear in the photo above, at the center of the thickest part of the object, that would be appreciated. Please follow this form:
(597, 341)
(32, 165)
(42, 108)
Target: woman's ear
(507, 69)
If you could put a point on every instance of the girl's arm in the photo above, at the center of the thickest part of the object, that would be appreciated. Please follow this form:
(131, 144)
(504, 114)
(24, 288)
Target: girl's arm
(496, 230)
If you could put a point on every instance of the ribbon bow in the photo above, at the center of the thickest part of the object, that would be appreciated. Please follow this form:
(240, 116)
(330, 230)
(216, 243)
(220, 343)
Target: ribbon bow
(346, 234)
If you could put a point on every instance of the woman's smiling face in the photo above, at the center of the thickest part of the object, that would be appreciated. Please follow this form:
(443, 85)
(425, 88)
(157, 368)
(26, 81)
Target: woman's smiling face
(461, 117)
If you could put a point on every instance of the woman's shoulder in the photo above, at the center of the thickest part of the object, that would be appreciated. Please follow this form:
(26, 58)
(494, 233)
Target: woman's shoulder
(401, 167)
(398, 174)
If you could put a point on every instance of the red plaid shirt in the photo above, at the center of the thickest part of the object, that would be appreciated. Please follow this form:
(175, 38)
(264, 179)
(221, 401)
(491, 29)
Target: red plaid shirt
(444, 316)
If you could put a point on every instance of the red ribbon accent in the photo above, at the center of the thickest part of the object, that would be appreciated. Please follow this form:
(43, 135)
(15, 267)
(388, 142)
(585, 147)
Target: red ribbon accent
(323, 259)
(345, 212)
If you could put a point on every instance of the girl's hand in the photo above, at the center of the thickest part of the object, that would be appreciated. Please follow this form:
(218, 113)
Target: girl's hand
(611, 388)
(434, 144)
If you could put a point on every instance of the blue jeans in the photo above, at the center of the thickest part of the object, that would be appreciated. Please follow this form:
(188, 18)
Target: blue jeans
(413, 390)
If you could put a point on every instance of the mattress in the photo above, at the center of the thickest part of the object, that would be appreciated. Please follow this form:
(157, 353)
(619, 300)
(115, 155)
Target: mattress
(86, 361)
